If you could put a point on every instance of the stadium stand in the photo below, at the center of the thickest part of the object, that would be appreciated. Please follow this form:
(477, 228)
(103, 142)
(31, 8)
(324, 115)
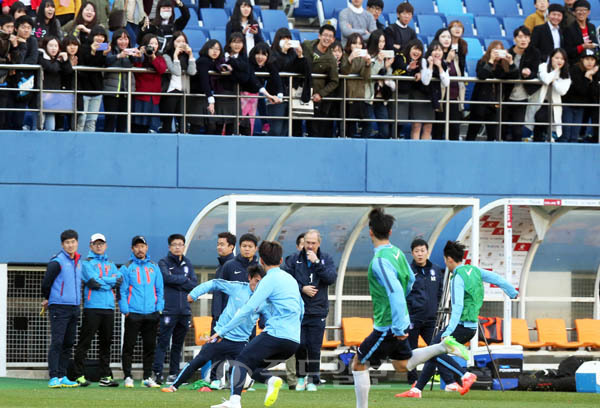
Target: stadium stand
(488, 26)
(450, 7)
(218, 35)
(588, 332)
(527, 8)
(201, 329)
(308, 35)
(306, 9)
(503, 8)
(356, 329)
(478, 7)
(429, 23)
(475, 48)
(329, 9)
(553, 332)
(272, 20)
(422, 6)
(213, 19)
(511, 24)
(520, 335)
(196, 38)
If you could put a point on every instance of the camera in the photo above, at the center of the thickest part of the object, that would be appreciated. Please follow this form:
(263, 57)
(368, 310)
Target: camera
(149, 50)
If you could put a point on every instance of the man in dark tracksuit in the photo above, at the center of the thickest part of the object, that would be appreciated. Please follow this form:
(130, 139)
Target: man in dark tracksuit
(179, 279)
(61, 288)
(100, 276)
(236, 269)
(314, 271)
(424, 298)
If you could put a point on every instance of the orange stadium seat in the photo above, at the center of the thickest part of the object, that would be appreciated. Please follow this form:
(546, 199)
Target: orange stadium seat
(329, 344)
(356, 329)
(201, 329)
(554, 333)
(520, 335)
(588, 332)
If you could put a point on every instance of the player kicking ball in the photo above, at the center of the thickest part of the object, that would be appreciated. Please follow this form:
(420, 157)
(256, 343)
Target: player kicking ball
(467, 299)
(280, 339)
(231, 344)
(390, 280)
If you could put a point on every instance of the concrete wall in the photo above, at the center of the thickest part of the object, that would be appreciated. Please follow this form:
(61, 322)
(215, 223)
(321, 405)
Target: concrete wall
(127, 184)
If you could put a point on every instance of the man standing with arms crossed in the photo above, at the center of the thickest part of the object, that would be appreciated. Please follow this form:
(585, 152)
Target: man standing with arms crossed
(314, 271)
(390, 280)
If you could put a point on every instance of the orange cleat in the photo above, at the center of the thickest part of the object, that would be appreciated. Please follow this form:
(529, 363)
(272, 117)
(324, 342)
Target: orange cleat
(412, 393)
(169, 389)
(467, 380)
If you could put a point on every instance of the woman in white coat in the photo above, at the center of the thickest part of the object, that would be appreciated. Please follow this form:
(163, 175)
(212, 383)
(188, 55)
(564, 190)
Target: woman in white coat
(556, 82)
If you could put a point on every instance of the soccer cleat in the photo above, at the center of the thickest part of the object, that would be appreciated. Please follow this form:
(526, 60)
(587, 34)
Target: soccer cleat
(171, 379)
(158, 378)
(128, 382)
(150, 383)
(301, 385)
(454, 347)
(467, 380)
(454, 387)
(82, 381)
(215, 385)
(412, 393)
(273, 386)
(54, 382)
(108, 382)
(227, 404)
(169, 389)
(311, 387)
(66, 383)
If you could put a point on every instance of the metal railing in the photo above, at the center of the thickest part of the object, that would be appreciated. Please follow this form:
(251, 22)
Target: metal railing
(291, 115)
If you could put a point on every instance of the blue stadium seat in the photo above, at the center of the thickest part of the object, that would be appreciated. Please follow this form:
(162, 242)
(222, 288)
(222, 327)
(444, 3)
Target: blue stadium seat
(472, 67)
(196, 39)
(527, 7)
(429, 23)
(257, 12)
(595, 22)
(331, 8)
(595, 11)
(273, 20)
(267, 37)
(511, 24)
(213, 19)
(423, 39)
(453, 7)
(192, 23)
(306, 9)
(479, 7)
(488, 26)
(218, 35)
(392, 17)
(475, 48)
(466, 20)
(505, 42)
(421, 6)
(504, 8)
(308, 35)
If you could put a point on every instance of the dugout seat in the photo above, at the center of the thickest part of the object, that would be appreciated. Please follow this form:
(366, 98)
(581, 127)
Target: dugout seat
(356, 329)
(201, 329)
(329, 344)
(421, 342)
(553, 332)
(520, 335)
(588, 332)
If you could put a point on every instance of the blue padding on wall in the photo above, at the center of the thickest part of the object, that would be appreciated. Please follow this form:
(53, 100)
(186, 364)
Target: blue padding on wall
(88, 158)
(458, 168)
(575, 169)
(272, 163)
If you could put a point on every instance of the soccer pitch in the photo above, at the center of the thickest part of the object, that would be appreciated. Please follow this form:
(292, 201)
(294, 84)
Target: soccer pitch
(34, 393)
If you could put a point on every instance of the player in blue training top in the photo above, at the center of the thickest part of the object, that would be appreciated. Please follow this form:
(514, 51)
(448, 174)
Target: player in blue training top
(467, 299)
(232, 343)
(279, 292)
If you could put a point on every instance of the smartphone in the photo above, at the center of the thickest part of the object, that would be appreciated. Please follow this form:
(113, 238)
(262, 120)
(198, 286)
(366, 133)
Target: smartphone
(454, 47)
(294, 43)
(388, 53)
(254, 26)
(362, 53)
(102, 47)
(130, 51)
(501, 53)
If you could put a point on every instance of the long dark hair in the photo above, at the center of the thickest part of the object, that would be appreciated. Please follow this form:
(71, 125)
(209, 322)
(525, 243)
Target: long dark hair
(157, 19)
(564, 71)
(281, 33)
(351, 40)
(236, 16)
(260, 48)
(373, 42)
(207, 46)
(409, 45)
(170, 50)
(53, 25)
(488, 54)
(232, 38)
(116, 35)
(79, 18)
(45, 42)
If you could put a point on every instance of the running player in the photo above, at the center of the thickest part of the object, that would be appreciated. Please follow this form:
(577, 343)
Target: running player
(390, 280)
(467, 299)
(230, 346)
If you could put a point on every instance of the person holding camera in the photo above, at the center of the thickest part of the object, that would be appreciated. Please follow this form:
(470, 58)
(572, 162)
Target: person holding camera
(54, 63)
(148, 82)
(164, 24)
(495, 63)
(243, 21)
(356, 60)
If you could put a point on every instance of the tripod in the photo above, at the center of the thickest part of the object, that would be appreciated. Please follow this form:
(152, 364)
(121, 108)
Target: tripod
(442, 316)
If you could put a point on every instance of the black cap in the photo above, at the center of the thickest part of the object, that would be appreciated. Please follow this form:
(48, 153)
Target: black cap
(137, 239)
(556, 7)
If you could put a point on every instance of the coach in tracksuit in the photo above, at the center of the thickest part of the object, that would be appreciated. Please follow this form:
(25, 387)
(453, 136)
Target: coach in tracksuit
(314, 271)
(424, 298)
(179, 279)
(61, 288)
(225, 246)
(100, 276)
(141, 303)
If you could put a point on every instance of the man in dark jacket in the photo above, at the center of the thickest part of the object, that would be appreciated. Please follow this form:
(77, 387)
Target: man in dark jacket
(179, 279)
(580, 36)
(527, 59)
(322, 61)
(28, 45)
(548, 36)
(424, 298)
(398, 34)
(314, 271)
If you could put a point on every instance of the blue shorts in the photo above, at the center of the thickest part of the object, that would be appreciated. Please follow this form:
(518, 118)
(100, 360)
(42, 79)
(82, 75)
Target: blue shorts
(381, 346)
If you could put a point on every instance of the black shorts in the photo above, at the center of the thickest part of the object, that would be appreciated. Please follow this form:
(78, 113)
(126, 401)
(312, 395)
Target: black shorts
(380, 346)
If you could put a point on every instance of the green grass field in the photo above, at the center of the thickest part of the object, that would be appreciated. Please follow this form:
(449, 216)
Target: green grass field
(34, 393)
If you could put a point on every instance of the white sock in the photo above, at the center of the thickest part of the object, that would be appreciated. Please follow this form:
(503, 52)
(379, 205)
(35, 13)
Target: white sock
(237, 399)
(423, 354)
(362, 383)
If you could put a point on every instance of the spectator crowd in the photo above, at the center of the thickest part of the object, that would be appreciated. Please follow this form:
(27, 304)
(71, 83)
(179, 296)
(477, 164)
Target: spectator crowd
(556, 45)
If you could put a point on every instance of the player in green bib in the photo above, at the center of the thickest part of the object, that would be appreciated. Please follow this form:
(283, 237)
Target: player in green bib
(390, 280)
(467, 298)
